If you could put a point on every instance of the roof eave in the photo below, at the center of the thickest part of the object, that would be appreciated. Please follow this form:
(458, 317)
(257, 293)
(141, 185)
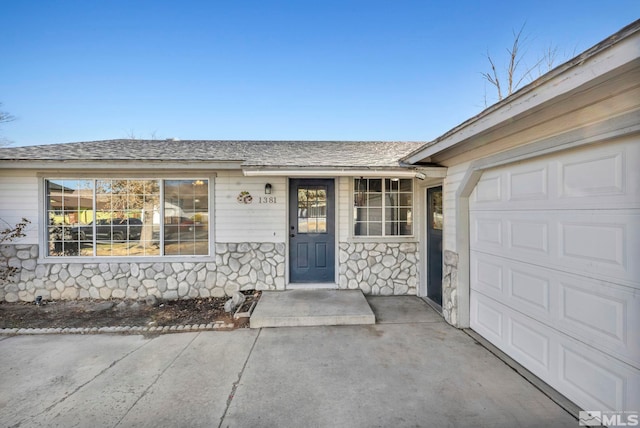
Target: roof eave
(111, 164)
(397, 171)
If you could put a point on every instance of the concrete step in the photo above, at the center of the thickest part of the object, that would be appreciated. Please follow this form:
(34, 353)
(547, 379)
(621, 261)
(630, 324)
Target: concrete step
(304, 308)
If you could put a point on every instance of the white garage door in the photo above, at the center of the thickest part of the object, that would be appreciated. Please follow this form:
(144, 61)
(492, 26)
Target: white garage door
(555, 270)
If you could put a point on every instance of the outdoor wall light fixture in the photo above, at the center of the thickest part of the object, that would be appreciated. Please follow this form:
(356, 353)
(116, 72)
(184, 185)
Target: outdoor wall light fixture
(421, 175)
(267, 189)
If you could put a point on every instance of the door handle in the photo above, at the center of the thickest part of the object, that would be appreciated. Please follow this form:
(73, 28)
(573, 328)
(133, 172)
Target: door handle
(292, 235)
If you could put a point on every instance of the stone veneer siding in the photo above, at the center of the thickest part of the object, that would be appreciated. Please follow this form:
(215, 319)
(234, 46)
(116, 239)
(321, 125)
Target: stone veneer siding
(449, 287)
(379, 268)
(239, 266)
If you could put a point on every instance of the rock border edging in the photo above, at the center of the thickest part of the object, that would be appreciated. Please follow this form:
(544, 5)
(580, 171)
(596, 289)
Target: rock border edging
(216, 326)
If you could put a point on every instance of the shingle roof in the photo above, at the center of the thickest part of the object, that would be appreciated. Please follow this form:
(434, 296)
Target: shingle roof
(249, 153)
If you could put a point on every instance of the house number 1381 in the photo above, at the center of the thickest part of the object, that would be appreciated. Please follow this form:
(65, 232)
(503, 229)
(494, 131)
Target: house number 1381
(267, 200)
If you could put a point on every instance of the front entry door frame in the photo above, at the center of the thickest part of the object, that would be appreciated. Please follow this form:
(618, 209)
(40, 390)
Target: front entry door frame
(319, 279)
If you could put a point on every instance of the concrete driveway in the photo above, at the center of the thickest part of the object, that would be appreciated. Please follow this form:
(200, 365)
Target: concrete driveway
(409, 370)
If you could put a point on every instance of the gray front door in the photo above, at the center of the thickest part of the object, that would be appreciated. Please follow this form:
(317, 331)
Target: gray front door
(312, 230)
(434, 244)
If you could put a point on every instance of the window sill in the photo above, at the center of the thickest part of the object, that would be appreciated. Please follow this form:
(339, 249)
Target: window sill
(376, 239)
(116, 259)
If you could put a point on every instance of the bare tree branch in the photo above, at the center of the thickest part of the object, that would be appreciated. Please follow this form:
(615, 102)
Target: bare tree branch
(8, 233)
(517, 72)
(131, 135)
(493, 76)
(6, 117)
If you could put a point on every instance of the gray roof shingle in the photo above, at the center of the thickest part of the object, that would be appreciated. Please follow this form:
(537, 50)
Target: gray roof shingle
(250, 153)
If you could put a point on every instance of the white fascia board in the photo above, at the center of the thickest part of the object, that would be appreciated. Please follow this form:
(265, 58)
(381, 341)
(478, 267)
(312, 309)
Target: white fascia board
(127, 165)
(436, 172)
(566, 78)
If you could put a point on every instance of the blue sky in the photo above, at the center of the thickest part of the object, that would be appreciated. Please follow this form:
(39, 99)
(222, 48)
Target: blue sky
(285, 70)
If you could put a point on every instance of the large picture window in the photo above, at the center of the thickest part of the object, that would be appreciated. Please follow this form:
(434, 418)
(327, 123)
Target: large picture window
(116, 217)
(383, 206)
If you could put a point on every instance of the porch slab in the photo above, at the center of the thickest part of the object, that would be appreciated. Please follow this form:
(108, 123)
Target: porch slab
(305, 308)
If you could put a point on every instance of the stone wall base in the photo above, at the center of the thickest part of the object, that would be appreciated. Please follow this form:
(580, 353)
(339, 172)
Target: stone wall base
(375, 268)
(240, 266)
(379, 268)
(449, 287)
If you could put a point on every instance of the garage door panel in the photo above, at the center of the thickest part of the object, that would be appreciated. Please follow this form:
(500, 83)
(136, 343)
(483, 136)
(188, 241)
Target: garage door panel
(529, 289)
(583, 374)
(588, 178)
(577, 239)
(488, 189)
(488, 276)
(596, 380)
(529, 235)
(603, 244)
(598, 173)
(532, 349)
(528, 183)
(525, 288)
(555, 269)
(487, 232)
(604, 316)
(532, 343)
(487, 320)
(594, 312)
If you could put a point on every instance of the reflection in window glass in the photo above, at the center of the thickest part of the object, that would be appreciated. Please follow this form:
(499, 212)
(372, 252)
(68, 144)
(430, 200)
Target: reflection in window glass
(186, 217)
(69, 204)
(383, 207)
(436, 210)
(125, 209)
(122, 217)
(312, 209)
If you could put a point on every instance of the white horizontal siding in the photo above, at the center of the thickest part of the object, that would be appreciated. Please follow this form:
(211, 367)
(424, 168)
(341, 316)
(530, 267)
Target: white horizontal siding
(18, 199)
(255, 222)
(451, 183)
(344, 202)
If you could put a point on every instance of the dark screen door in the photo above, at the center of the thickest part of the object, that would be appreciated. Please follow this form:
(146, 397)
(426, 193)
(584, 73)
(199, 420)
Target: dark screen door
(434, 244)
(311, 230)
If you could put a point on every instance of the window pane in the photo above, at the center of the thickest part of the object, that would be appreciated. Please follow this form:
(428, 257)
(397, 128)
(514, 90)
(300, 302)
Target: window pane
(406, 199)
(391, 214)
(375, 185)
(404, 214)
(436, 210)
(186, 217)
(392, 228)
(124, 215)
(406, 185)
(361, 214)
(374, 199)
(375, 214)
(391, 185)
(69, 204)
(375, 229)
(124, 219)
(392, 197)
(312, 209)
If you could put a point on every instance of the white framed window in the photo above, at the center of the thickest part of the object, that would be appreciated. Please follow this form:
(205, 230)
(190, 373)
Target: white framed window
(383, 207)
(127, 217)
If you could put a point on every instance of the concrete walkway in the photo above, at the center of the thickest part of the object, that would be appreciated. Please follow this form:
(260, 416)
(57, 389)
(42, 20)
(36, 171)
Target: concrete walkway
(410, 369)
